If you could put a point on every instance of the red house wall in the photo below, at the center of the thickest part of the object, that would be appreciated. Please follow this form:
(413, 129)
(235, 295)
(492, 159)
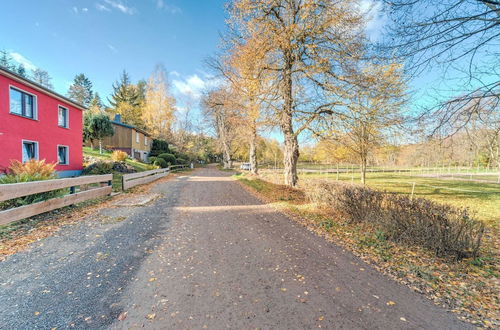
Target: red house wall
(44, 130)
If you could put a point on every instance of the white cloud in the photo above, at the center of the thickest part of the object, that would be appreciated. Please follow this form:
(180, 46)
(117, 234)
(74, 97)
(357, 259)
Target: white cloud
(194, 85)
(75, 10)
(175, 73)
(112, 48)
(85, 9)
(160, 4)
(117, 4)
(101, 7)
(375, 16)
(23, 60)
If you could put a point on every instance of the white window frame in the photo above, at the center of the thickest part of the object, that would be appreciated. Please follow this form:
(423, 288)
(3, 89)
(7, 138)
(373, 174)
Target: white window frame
(37, 150)
(67, 154)
(67, 116)
(137, 138)
(145, 140)
(35, 101)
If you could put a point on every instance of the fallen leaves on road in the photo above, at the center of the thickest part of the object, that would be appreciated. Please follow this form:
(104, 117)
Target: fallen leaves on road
(151, 316)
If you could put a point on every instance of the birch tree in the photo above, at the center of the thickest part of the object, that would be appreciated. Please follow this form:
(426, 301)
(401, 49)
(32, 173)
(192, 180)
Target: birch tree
(159, 105)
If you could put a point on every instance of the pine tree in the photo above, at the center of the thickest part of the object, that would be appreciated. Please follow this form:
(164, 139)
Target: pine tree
(124, 92)
(42, 77)
(96, 105)
(6, 60)
(21, 70)
(127, 100)
(81, 90)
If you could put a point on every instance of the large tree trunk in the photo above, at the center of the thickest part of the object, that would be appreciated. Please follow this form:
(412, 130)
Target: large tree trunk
(291, 154)
(253, 150)
(290, 159)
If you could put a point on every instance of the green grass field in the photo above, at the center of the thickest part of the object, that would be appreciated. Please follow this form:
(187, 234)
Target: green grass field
(481, 198)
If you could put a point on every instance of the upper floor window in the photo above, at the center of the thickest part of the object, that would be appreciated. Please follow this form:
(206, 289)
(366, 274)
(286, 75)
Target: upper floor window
(22, 103)
(30, 150)
(63, 117)
(145, 140)
(137, 138)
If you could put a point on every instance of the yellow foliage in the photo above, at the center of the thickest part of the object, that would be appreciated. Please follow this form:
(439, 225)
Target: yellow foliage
(32, 167)
(119, 156)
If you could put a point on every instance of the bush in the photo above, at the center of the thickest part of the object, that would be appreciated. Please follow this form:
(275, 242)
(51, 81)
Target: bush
(160, 162)
(119, 156)
(159, 147)
(32, 170)
(99, 167)
(445, 229)
(152, 159)
(169, 158)
(35, 169)
(181, 161)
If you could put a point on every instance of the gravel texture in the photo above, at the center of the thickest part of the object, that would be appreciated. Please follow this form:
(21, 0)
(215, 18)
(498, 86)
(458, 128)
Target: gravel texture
(204, 254)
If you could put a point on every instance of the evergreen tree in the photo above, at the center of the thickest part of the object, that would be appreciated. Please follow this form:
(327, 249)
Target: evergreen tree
(21, 70)
(42, 77)
(127, 100)
(81, 90)
(96, 105)
(6, 60)
(124, 92)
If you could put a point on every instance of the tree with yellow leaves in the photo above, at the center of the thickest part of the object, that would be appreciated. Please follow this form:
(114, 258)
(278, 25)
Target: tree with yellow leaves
(373, 111)
(309, 47)
(159, 106)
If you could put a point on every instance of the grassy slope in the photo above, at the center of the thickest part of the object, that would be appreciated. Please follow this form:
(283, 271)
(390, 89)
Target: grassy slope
(117, 177)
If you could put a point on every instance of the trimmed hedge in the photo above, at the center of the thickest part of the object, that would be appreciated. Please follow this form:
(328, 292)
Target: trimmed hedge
(169, 158)
(445, 229)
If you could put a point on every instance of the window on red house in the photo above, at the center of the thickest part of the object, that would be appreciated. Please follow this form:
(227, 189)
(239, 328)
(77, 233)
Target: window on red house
(63, 117)
(22, 103)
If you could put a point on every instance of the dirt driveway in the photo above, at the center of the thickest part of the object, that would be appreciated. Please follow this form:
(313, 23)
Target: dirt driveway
(203, 253)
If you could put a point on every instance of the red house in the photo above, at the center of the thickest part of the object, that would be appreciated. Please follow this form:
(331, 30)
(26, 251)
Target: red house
(38, 123)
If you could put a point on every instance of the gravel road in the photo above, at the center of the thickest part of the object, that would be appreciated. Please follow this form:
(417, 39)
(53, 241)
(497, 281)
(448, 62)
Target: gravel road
(204, 254)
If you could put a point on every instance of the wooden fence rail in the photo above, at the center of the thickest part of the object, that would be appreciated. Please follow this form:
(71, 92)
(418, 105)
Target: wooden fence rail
(16, 190)
(134, 179)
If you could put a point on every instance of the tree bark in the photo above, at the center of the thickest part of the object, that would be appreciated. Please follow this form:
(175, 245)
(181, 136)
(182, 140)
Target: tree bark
(363, 170)
(253, 151)
(100, 146)
(291, 154)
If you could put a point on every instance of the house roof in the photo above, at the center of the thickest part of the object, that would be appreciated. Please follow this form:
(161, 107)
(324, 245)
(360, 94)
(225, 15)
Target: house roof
(40, 88)
(119, 123)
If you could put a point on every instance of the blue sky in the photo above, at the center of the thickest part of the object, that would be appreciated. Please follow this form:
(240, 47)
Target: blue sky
(102, 37)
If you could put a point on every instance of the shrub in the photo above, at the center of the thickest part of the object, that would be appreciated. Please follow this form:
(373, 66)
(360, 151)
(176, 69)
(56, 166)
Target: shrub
(159, 147)
(119, 156)
(35, 169)
(445, 229)
(32, 170)
(152, 159)
(181, 161)
(354, 203)
(169, 158)
(160, 162)
(99, 167)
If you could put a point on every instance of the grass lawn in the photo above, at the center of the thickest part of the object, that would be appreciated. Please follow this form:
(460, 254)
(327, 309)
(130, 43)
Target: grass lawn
(139, 166)
(482, 198)
(117, 177)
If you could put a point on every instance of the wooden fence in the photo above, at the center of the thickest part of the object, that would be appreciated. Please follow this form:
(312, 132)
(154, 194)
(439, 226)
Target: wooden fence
(134, 179)
(16, 190)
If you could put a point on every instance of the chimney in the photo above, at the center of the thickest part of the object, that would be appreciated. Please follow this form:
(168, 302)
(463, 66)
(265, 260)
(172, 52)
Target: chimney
(118, 118)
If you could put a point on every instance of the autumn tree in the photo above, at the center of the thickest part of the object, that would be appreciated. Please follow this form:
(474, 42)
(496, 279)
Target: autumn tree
(220, 109)
(80, 90)
(159, 105)
(42, 77)
(97, 127)
(374, 108)
(308, 48)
